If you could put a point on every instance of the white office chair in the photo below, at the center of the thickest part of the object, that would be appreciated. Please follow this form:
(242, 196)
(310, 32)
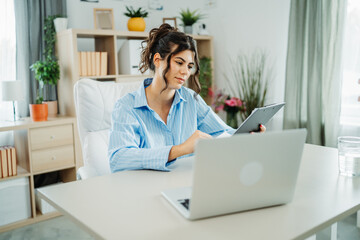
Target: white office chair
(94, 102)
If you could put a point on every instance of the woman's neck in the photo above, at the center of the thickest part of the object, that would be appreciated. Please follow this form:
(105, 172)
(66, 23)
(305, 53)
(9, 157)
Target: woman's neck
(156, 95)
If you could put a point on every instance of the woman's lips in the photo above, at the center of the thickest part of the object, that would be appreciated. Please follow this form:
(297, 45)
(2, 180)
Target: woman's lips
(181, 80)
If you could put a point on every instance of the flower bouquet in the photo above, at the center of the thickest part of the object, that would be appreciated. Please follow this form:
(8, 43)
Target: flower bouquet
(232, 106)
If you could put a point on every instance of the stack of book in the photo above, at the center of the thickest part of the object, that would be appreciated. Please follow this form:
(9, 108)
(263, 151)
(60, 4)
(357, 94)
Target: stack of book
(8, 165)
(93, 63)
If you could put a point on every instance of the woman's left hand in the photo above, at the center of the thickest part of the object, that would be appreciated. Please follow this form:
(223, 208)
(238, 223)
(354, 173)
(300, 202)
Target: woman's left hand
(262, 129)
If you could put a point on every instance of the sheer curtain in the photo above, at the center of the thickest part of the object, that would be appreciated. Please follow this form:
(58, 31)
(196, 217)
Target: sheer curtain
(8, 52)
(313, 70)
(30, 16)
(350, 104)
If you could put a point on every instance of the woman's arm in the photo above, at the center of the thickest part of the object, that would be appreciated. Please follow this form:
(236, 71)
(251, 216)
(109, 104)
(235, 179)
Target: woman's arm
(125, 140)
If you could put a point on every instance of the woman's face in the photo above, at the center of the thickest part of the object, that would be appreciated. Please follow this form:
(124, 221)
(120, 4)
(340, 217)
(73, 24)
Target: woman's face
(181, 67)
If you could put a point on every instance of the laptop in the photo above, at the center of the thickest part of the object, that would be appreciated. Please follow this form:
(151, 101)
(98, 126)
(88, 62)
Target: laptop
(241, 173)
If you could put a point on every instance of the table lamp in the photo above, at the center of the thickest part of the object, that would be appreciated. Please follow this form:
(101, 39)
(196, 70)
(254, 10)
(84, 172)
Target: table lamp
(11, 91)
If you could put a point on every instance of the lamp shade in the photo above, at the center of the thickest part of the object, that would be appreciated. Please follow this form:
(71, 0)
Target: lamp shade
(11, 90)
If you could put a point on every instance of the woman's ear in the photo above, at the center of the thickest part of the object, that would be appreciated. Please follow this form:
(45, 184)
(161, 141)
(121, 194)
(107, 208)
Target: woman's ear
(156, 60)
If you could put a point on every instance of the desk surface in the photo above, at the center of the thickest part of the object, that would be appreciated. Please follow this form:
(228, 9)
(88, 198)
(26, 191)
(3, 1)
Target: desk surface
(128, 205)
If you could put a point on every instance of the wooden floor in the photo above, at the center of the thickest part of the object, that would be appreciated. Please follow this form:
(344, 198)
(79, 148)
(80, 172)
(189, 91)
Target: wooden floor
(62, 228)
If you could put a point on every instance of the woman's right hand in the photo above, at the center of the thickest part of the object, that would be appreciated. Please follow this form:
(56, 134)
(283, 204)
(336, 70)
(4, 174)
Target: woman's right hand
(189, 144)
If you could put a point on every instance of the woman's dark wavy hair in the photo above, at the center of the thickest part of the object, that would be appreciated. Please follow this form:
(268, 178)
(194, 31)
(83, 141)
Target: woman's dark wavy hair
(162, 40)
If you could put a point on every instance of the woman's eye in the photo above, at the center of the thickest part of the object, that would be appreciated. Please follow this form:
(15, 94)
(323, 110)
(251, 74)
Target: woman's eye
(180, 63)
(190, 67)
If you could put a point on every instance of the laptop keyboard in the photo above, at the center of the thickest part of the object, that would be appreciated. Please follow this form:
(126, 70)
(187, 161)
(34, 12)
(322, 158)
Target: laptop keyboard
(185, 202)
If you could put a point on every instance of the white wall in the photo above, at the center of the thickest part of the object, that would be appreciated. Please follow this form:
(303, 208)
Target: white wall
(235, 24)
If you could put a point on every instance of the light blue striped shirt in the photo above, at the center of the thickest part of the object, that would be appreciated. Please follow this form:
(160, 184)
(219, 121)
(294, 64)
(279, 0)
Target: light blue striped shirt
(139, 138)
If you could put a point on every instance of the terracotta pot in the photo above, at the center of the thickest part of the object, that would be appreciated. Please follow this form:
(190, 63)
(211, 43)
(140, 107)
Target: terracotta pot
(136, 24)
(38, 112)
(52, 108)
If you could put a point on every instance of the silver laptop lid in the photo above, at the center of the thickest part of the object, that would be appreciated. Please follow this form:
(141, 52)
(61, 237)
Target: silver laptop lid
(245, 172)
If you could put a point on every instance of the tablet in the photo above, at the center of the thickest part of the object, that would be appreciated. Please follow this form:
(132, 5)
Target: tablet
(259, 116)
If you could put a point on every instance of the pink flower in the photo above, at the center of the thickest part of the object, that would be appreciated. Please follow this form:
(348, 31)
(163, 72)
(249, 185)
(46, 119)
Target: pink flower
(219, 108)
(231, 102)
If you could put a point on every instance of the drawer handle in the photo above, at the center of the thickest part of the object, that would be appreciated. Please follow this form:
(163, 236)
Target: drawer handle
(53, 158)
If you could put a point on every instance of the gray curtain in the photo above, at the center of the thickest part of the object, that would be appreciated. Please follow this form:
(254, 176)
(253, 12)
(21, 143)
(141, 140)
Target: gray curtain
(29, 18)
(313, 70)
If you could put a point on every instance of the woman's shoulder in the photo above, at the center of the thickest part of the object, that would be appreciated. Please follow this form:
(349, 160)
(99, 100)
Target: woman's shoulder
(127, 101)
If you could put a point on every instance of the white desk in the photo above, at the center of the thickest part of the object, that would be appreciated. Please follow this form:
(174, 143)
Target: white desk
(128, 205)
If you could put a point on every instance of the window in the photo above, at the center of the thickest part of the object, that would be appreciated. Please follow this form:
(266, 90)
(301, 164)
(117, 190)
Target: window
(8, 52)
(350, 105)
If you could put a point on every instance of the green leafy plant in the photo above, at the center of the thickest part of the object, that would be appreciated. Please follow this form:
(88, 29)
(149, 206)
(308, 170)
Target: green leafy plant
(248, 79)
(205, 76)
(50, 36)
(190, 17)
(46, 72)
(132, 13)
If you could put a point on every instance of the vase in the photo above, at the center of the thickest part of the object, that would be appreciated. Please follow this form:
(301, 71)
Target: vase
(60, 24)
(188, 29)
(136, 24)
(231, 119)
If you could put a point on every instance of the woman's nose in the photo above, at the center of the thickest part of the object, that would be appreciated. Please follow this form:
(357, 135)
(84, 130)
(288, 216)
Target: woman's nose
(185, 70)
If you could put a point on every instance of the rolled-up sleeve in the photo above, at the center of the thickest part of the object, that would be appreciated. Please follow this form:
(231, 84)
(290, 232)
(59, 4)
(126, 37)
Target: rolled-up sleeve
(126, 136)
(208, 121)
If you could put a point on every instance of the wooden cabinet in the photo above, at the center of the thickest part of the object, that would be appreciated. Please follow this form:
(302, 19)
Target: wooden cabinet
(67, 48)
(43, 147)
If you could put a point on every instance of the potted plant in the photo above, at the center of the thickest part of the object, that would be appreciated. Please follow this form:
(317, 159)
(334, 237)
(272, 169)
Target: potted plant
(248, 79)
(47, 72)
(189, 18)
(205, 79)
(136, 21)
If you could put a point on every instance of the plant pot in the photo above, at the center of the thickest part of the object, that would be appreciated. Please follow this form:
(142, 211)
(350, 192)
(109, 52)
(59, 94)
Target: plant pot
(52, 108)
(136, 24)
(188, 29)
(38, 112)
(60, 24)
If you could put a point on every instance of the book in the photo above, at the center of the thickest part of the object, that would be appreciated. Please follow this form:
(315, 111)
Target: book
(83, 64)
(79, 63)
(9, 163)
(4, 167)
(103, 63)
(93, 64)
(14, 161)
(88, 63)
(97, 63)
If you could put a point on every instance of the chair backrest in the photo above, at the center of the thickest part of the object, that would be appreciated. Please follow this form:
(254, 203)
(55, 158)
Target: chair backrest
(94, 103)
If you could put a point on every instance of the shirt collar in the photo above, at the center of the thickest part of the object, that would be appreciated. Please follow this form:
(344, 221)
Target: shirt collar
(140, 96)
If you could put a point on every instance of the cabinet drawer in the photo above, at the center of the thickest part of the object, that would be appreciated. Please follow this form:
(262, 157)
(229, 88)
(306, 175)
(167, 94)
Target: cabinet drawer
(51, 136)
(57, 157)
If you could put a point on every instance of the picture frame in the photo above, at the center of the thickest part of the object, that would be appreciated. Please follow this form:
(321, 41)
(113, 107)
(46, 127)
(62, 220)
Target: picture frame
(170, 21)
(103, 18)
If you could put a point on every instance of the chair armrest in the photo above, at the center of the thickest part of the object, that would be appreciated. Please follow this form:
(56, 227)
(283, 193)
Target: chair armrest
(86, 172)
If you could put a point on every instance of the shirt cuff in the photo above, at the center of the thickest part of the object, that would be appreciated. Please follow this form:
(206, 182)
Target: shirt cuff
(159, 160)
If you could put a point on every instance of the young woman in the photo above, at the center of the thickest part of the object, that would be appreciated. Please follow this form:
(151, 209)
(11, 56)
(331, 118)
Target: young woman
(162, 120)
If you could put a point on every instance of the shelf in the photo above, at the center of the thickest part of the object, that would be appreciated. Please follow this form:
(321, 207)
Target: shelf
(100, 77)
(26, 123)
(42, 217)
(54, 169)
(94, 33)
(21, 172)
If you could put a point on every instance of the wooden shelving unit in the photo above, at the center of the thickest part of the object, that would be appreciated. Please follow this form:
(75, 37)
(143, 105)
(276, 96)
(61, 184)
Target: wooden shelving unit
(104, 41)
(43, 147)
